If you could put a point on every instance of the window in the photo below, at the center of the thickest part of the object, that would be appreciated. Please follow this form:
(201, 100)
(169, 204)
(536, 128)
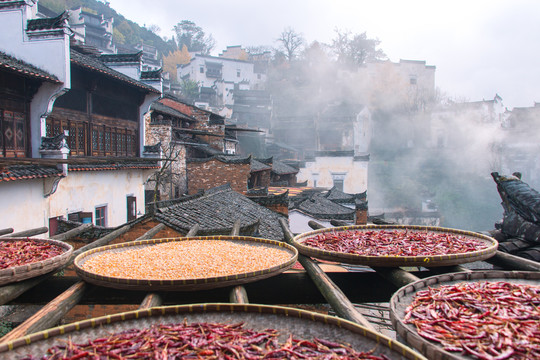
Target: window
(201, 69)
(131, 207)
(13, 134)
(413, 80)
(238, 73)
(338, 179)
(101, 215)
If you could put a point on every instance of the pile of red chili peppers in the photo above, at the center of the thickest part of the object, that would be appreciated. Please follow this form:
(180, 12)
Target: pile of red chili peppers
(485, 320)
(203, 341)
(393, 243)
(22, 252)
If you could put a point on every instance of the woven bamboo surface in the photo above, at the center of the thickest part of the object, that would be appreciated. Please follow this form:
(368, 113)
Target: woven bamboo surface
(300, 323)
(184, 284)
(27, 271)
(405, 296)
(395, 261)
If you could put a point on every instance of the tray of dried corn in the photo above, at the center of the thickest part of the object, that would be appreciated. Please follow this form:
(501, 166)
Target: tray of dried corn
(210, 331)
(179, 264)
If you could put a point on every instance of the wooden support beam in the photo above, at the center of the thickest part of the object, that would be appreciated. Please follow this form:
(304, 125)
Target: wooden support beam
(512, 262)
(6, 231)
(151, 300)
(193, 231)
(331, 292)
(101, 241)
(50, 314)
(152, 232)
(238, 294)
(396, 276)
(315, 225)
(28, 233)
(71, 233)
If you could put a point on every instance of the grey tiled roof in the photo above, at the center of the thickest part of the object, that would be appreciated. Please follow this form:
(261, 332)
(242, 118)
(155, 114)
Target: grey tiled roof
(117, 58)
(162, 108)
(224, 159)
(10, 63)
(24, 172)
(94, 64)
(259, 166)
(53, 143)
(281, 168)
(321, 208)
(339, 196)
(116, 165)
(217, 210)
(47, 23)
(151, 74)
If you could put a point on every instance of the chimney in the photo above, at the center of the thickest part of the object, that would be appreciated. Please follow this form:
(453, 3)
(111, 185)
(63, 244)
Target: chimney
(361, 207)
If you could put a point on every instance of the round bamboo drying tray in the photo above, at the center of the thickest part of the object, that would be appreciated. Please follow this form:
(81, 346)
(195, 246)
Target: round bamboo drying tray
(183, 284)
(394, 261)
(405, 296)
(300, 323)
(30, 270)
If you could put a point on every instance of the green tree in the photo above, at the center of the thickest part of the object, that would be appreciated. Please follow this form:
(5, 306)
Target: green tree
(193, 37)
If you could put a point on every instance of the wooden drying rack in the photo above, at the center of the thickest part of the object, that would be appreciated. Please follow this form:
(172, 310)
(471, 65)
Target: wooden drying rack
(340, 290)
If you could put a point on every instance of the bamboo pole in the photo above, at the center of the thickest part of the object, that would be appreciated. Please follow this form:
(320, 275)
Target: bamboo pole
(71, 233)
(331, 292)
(512, 262)
(28, 233)
(238, 294)
(6, 231)
(49, 315)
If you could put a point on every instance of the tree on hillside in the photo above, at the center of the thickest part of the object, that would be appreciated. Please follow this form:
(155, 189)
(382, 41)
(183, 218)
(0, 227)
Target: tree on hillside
(193, 37)
(290, 43)
(177, 57)
(356, 49)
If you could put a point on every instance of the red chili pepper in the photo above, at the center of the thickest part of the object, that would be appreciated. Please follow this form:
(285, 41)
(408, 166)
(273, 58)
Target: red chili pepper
(393, 243)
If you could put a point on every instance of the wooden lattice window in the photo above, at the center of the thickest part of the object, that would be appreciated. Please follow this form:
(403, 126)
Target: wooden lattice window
(13, 137)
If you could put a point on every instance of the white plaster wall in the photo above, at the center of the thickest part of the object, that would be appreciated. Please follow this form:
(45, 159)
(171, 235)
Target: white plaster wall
(49, 54)
(356, 173)
(84, 190)
(23, 205)
(298, 222)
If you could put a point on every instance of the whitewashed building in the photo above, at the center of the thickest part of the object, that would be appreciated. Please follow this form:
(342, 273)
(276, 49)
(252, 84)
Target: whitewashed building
(72, 138)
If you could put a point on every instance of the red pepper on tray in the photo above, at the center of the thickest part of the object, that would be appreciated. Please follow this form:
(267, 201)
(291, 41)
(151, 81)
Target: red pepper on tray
(393, 243)
(22, 252)
(203, 341)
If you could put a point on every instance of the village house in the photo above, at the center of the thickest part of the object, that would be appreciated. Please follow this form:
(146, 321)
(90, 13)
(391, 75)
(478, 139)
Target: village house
(73, 131)
(218, 77)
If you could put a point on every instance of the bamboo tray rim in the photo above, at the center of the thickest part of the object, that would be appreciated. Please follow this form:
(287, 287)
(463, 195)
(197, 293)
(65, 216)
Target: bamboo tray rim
(187, 283)
(430, 348)
(388, 260)
(395, 346)
(30, 270)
